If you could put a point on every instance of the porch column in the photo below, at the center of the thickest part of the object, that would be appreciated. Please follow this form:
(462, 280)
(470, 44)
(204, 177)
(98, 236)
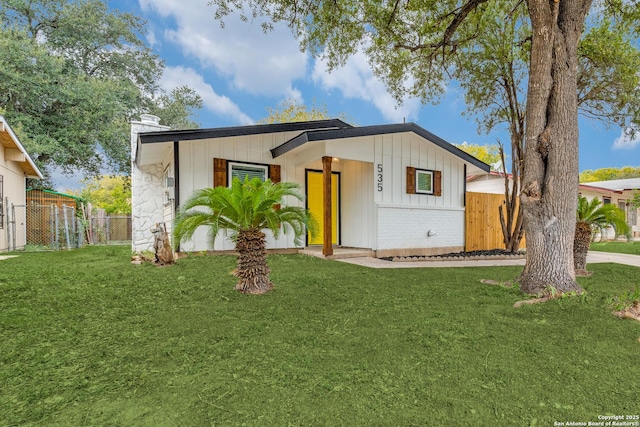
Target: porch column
(327, 247)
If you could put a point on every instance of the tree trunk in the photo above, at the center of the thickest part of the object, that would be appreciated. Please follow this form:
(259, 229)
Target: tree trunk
(512, 228)
(581, 242)
(162, 245)
(252, 269)
(550, 181)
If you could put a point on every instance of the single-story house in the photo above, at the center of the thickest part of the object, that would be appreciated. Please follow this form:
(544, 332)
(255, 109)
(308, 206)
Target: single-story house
(395, 189)
(619, 192)
(15, 167)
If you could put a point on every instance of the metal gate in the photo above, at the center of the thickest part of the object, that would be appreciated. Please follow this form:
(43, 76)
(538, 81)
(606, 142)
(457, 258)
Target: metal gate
(34, 227)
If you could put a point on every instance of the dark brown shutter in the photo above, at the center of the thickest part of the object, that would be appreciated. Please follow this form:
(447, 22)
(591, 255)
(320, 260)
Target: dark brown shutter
(274, 176)
(219, 173)
(437, 183)
(274, 173)
(411, 180)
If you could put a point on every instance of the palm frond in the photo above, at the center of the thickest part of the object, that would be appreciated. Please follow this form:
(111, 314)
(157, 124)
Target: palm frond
(243, 206)
(600, 216)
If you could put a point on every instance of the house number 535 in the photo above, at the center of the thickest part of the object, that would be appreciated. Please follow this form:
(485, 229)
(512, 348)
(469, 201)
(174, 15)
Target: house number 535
(379, 177)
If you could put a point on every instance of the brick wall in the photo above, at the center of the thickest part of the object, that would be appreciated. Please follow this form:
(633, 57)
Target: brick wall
(407, 228)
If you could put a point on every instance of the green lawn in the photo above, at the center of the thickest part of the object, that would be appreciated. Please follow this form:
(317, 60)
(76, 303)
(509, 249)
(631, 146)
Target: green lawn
(88, 339)
(632, 248)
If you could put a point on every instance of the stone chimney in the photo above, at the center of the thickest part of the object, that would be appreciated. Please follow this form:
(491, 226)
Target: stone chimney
(147, 188)
(149, 119)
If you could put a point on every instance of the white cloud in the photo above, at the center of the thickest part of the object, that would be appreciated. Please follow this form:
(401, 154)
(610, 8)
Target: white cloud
(218, 104)
(151, 38)
(255, 62)
(627, 140)
(356, 81)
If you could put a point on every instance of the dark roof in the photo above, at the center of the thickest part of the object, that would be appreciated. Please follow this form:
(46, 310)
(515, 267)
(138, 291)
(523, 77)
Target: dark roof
(354, 132)
(194, 134)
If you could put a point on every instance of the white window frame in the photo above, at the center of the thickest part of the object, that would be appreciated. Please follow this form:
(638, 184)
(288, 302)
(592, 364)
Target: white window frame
(231, 165)
(424, 172)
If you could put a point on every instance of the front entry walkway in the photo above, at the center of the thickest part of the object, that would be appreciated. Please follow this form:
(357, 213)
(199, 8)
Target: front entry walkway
(593, 257)
(338, 252)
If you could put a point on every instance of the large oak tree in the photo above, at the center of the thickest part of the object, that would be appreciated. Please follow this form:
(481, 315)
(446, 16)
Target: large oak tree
(417, 47)
(72, 75)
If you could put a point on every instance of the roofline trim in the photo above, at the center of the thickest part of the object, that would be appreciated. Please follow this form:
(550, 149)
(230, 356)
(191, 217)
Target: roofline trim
(225, 132)
(354, 132)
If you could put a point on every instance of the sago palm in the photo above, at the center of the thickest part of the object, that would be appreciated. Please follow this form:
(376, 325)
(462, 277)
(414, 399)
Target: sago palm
(246, 209)
(591, 216)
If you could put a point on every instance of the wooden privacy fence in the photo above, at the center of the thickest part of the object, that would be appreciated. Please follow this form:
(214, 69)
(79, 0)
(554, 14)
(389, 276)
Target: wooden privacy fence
(482, 226)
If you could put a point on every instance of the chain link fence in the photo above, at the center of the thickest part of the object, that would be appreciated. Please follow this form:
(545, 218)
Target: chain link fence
(50, 227)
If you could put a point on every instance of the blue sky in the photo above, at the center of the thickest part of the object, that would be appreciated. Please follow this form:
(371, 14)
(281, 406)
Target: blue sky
(239, 71)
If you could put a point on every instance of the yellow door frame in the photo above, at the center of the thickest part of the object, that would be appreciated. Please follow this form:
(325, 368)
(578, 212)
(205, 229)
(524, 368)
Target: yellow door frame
(335, 205)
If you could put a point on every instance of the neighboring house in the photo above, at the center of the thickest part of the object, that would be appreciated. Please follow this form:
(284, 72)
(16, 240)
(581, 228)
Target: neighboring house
(15, 167)
(619, 192)
(395, 189)
(492, 183)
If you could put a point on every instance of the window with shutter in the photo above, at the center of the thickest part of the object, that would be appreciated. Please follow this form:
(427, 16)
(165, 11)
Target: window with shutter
(225, 170)
(424, 181)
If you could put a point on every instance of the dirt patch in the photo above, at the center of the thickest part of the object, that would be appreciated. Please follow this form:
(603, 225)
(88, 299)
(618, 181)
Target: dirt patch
(632, 312)
(583, 273)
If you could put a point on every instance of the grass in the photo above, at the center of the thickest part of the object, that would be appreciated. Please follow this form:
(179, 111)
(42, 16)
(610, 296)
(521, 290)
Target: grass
(632, 248)
(88, 339)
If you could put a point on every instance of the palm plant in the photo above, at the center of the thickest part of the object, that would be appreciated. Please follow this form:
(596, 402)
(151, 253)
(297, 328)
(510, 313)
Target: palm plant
(246, 209)
(592, 216)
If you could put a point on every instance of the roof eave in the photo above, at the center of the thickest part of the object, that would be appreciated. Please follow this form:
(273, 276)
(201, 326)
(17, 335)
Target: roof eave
(196, 134)
(6, 128)
(352, 132)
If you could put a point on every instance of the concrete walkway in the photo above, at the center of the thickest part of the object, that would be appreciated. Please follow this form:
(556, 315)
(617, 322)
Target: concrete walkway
(592, 257)
(7, 256)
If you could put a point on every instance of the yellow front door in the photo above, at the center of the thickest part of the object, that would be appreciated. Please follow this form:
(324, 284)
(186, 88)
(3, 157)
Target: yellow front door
(315, 201)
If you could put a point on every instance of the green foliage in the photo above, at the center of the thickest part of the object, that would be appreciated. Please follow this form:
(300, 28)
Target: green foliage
(608, 82)
(99, 341)
(625, 300)
(248, 205)
(177, 108)
(490, 154)
(418, 48)
(600, 216)
(607, 174)
(109, 192)
(290, 110)
(72, 75)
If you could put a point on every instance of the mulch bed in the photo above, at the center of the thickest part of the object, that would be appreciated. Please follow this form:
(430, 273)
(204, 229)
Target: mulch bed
(472, 255)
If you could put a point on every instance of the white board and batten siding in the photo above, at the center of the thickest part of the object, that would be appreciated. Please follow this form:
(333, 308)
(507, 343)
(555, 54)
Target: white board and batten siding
(196, 172)
(404, 220)
(357, 215)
